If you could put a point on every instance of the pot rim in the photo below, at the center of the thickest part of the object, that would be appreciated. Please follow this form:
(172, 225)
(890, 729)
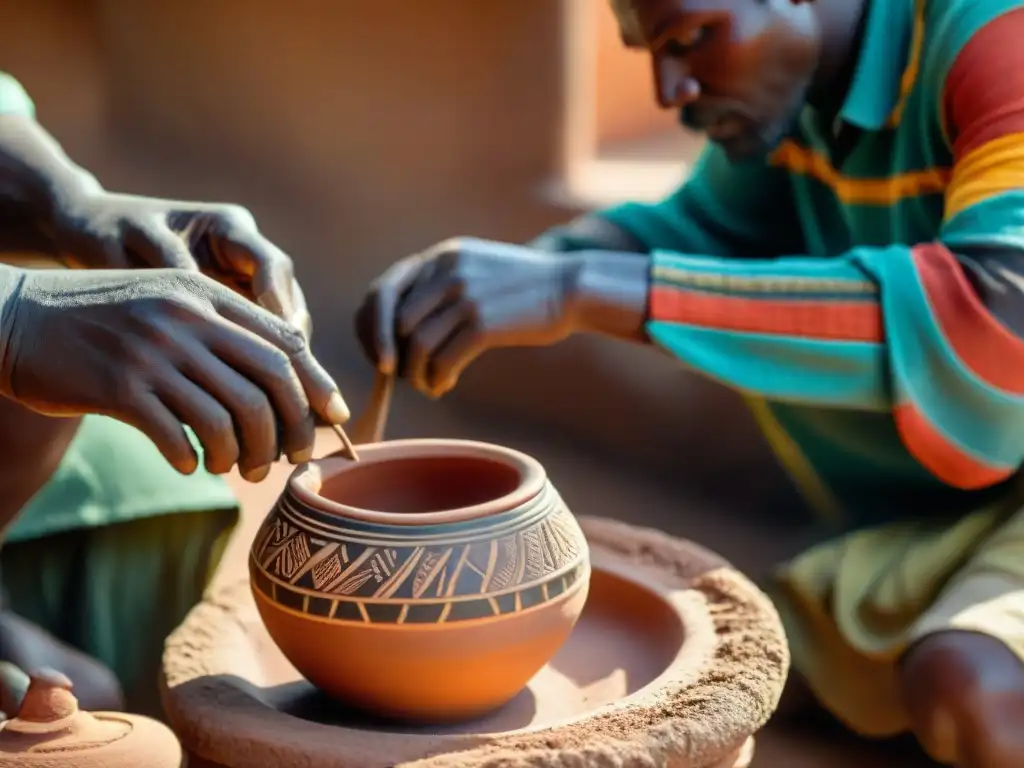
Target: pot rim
(308, 478)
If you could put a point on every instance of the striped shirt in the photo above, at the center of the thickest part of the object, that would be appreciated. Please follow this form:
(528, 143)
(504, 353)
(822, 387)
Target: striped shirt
(870, 301)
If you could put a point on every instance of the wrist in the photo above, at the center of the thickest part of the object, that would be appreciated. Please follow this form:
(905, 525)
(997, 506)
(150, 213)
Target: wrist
(39, 184)
(608, 294)
(68, 196)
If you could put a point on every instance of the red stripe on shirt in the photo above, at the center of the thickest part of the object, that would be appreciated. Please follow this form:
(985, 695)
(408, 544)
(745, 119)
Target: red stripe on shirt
(991, 351)
(839, 320)
(984, 92)
(939, 456)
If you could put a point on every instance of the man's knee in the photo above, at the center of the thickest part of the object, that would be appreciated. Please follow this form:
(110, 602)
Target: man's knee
(964, 692)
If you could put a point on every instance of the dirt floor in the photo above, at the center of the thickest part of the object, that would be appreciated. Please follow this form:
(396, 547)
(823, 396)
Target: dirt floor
(808, 745)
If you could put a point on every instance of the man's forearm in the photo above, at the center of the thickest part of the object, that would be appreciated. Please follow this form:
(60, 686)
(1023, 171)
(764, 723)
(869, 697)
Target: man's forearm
(34, 444)
(37, 182)
(28, 461)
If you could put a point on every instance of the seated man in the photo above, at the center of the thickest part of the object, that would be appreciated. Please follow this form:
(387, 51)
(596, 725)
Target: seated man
(849, 253)
(163, 379)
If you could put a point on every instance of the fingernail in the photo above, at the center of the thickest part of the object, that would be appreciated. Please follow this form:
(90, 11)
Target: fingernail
(256, 475)
(301, 457)
(336, 411)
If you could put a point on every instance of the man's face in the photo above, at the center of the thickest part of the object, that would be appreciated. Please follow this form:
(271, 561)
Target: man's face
(738, 70)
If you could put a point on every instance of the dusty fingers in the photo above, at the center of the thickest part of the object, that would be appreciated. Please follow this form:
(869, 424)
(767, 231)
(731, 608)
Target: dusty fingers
(279, 344)
(242, 379)
(231, 247)
(376, 317)
(459, 310)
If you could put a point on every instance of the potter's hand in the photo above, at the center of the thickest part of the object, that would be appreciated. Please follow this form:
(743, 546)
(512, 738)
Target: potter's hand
(431, 315)
(99, 230)
(160, 349)
(52, 205)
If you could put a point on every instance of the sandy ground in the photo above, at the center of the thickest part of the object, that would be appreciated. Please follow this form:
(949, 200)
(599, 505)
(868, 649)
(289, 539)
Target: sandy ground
(804, 746)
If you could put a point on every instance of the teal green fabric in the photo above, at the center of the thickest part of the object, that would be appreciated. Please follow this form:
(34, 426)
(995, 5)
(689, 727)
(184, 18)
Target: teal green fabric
(884, 55)
(115, 550)
(723, 209)
(112, 473)
(116, 591)
(875, 214)
(14, 100)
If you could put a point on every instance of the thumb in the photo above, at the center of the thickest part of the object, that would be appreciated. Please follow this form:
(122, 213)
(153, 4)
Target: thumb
(272, 288)
(377, 316)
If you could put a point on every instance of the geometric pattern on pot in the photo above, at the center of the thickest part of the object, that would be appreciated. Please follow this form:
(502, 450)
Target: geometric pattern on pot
(348, 570)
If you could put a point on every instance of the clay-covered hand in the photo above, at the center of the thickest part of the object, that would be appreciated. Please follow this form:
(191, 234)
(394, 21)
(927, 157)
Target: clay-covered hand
(430, 315)
(97, 229)
(162, 349)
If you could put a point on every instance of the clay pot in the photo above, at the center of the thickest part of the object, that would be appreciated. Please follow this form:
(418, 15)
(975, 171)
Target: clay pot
(51, 731)
(677, 660)
(427, 582)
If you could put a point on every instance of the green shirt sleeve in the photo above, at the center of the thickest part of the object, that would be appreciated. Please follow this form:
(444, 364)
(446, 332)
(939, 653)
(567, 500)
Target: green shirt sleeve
(14, 100)
(724, 209)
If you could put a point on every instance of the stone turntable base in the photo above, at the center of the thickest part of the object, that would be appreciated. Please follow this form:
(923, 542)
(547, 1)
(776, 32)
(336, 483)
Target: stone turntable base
(677, 661)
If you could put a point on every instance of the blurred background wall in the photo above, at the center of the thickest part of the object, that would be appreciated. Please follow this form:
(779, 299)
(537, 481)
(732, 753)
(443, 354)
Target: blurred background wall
(359, 131)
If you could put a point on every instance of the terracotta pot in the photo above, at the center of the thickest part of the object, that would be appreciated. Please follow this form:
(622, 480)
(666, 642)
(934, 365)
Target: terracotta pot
(428, 582)
(677, 660)
(50, 731)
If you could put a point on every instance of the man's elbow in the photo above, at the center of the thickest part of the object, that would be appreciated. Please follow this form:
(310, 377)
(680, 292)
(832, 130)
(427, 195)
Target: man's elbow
(996, 272)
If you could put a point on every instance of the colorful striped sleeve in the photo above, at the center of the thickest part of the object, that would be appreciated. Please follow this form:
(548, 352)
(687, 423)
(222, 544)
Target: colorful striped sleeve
(13, 98)
(933, 333)
(723, 209)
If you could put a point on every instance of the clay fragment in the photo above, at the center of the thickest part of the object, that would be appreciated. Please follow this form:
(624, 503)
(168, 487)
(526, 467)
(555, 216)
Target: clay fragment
(50, 731)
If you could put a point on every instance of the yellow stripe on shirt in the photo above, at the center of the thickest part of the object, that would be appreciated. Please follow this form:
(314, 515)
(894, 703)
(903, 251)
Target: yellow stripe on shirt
(986, 171)
(884, 191)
